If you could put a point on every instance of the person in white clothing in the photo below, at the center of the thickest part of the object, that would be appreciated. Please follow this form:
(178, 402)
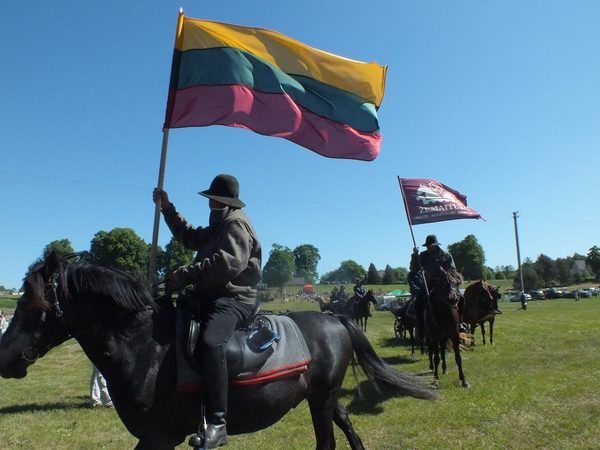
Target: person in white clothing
(3, 324)
(99, 395)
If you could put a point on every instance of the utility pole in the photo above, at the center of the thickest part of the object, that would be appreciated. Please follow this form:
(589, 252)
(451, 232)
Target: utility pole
(518, 251)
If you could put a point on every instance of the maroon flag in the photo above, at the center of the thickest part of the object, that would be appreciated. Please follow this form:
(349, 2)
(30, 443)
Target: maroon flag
(428, 201)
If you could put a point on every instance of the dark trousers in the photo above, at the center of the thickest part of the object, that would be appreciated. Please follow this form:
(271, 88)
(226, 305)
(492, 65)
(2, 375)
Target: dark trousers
(219, 319)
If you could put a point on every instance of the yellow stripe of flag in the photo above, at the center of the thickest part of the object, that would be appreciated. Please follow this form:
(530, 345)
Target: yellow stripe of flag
(366, 80)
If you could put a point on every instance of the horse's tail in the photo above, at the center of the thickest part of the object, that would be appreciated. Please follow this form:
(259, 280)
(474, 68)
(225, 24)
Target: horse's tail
(378, 371)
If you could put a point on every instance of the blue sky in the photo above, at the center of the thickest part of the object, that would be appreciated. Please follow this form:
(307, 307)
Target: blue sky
(499, 100)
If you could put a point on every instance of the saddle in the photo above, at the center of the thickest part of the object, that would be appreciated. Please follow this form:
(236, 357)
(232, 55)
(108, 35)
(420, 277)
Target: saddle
(249, 347)
(264, 348)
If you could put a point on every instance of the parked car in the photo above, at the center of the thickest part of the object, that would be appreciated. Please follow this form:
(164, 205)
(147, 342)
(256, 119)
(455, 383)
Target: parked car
(585, 293)
(517, 298)
(553, 293)
(537, 295)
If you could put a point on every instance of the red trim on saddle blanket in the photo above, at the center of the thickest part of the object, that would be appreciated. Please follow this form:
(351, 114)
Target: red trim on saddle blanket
(272, 375)
(264, 377)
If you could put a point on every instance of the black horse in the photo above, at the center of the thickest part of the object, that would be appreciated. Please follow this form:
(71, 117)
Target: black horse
(130, 338)
(362, 309)
(481, 306)
(442, 323)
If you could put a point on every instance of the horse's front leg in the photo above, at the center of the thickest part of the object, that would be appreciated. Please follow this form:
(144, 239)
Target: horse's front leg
(483, 333)
(442, 344)
(492, 332)
(458, 360)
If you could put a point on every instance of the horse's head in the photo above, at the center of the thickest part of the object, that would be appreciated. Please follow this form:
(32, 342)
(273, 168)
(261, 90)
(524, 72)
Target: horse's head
(495, 293)
(35, 327)
(446, 286)
(479, 292)
(61, 301)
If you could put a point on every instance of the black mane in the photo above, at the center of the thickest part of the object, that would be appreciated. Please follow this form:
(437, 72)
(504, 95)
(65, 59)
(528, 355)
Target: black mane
(84, 279)
(126, 291)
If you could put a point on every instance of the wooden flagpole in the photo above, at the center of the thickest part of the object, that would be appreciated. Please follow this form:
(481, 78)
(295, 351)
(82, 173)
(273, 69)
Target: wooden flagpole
(413, 235)
(407, 213)
(161, 182)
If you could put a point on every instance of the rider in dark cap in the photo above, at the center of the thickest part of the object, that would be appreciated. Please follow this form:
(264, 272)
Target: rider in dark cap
(225, 274)
(429, 262)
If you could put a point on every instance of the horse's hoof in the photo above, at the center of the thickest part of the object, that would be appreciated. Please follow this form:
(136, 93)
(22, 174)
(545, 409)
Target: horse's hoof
(435, 384)
(466, 384)
(445, 372)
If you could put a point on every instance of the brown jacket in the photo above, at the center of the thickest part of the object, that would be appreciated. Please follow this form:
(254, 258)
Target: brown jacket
(228, 262)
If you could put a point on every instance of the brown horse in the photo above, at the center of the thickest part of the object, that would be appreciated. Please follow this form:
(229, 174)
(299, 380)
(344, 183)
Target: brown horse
(481, 305)
(362, 309)
(324, 305)
(442, 323)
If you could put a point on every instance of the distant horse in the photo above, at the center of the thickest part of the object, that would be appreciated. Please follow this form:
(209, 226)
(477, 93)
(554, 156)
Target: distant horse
(481, 305)
(442, 323)
(343, 306)
(324, 305)
(131, 339)
(406, 322)
(362, 309)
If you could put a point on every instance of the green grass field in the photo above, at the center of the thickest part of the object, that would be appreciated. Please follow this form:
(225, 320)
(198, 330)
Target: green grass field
(534, 389)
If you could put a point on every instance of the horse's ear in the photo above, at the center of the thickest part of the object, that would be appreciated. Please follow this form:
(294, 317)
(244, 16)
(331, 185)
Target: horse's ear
(51, 264)
(461, 269)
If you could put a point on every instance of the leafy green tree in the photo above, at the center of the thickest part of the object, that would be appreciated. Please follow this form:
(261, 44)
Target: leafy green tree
(62, 247)
(350, 271)
(530, 277)
(546, 269)
(400, 275)
(469, 257)
(174, 256)
(388, 275)
(120, 249)
(306, 259)
(563, 271)
(508, 271)
(593, 260)
(279, 269)
(373, 275)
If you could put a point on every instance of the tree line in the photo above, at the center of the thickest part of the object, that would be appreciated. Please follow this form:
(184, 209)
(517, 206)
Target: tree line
(123, 249)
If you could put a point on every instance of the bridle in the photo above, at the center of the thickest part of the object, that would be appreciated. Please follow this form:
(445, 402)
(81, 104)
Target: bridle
(452, 297)
(32, 353)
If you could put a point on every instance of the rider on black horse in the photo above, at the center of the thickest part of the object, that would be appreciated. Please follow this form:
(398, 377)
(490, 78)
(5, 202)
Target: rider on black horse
(225, 273)
(429, 262)
(359, 293)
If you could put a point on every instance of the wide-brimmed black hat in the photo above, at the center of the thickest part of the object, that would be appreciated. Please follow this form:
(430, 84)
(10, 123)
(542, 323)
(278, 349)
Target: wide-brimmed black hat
(430, 240)
(224, 189)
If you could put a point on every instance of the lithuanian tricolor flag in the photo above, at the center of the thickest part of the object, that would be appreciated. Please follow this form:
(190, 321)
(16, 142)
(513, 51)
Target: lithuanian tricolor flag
(258, 79)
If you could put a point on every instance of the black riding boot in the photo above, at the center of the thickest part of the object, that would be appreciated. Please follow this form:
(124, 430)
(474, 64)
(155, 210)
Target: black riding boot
(215, 384)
